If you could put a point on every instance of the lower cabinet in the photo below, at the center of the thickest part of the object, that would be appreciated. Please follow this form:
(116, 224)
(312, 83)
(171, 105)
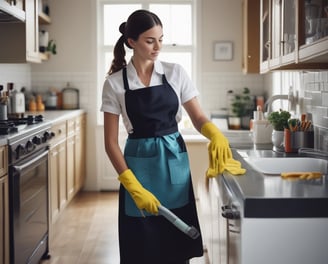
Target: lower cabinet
(66, 163)
(4, 207)
(57, 179)
(80, 152)
(4, 221)
(70, 166)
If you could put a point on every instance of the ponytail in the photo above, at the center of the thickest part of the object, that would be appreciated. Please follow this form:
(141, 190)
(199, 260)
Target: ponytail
(119, 61)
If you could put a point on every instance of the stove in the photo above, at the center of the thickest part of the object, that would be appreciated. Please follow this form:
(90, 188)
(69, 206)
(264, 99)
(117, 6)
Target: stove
(13, 125)
(28, 144)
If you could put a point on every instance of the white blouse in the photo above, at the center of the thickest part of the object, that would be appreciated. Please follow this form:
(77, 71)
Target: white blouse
(113, 99)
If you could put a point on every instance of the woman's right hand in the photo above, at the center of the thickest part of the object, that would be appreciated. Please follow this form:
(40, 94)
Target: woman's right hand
(143, 199)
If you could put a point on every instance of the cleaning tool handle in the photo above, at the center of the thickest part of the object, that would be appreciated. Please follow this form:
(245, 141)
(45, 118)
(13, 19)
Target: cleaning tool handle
(177, 222)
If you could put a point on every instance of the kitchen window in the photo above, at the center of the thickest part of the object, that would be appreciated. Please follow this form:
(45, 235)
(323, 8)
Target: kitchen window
(179, 25)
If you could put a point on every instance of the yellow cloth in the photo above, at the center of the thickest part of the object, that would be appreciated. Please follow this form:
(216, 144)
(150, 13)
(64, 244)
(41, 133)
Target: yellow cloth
(142, 197)
(220, 156)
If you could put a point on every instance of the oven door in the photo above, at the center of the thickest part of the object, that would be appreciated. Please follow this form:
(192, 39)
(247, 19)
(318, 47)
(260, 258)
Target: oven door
(29, 208)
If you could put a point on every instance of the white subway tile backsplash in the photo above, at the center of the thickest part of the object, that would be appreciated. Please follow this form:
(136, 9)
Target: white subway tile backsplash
(216, 86)
(19, 74)
(324, 98)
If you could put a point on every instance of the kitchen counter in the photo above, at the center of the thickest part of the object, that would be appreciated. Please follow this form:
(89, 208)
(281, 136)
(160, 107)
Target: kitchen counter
(50, 118)
(265, 196)
(54, 116)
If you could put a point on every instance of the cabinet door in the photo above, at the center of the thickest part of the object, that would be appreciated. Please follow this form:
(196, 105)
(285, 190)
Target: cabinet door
(3, 161)
(265, 26)
(57, 179)
(276, 18)
(80, 152)
(61, 149)
(313, 32)
(251, 36)
(4, 220)
(54, 184)
(32, 31)
(70, 167)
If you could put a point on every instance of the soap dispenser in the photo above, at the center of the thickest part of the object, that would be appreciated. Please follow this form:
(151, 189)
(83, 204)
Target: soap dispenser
(262, 129)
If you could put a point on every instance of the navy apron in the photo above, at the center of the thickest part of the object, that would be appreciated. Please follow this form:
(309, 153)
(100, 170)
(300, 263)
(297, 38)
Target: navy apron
(156, 153)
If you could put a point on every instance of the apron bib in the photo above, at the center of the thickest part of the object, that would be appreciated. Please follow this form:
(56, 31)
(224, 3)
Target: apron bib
(155, 150)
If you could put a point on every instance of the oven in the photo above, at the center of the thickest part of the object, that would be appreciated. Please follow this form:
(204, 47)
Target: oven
(28, 194)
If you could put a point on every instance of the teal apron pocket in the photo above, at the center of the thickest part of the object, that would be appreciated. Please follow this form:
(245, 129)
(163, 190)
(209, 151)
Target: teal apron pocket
(165, 175)
(179, 169)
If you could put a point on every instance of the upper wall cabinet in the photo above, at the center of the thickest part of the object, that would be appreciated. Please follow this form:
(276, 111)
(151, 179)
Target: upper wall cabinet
(251, 36)
(9, 12)
(21, 38)
(294, 34)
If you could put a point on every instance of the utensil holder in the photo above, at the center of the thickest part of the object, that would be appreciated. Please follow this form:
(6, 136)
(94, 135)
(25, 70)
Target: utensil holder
(298, 139)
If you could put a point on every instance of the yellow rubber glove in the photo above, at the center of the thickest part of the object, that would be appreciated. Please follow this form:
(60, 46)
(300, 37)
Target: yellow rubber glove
(220, 155)
(143, 198)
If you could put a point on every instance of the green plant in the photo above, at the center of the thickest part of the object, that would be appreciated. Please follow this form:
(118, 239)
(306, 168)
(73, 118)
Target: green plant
(52, 47)
(279, 119)
(242, 104)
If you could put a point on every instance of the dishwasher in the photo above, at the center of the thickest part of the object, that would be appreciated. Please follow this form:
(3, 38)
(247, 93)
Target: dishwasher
(229, 212)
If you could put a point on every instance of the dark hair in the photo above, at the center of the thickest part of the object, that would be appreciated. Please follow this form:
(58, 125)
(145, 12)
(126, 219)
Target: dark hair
(138, 22)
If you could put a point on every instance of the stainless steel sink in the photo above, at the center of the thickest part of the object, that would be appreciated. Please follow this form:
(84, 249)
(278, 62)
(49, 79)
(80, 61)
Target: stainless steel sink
(277, 165)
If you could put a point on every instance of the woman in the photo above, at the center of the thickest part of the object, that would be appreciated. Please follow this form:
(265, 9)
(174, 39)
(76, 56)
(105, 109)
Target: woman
(154, 169)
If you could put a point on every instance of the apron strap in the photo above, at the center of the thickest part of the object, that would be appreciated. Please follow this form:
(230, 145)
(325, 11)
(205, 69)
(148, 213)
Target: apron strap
(125, 80)
(126, 83)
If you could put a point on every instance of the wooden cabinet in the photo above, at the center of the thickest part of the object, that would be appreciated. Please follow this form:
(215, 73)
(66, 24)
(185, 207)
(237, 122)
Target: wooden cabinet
(21, 43)
(289, 38)
(80, 150)
(57, 170)
(251, 36)
(70, 166)
(66, 162)
(75, 154)
(4, 207)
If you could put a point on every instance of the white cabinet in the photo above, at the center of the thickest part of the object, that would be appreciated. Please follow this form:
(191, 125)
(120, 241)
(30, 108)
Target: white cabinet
(32, 31)
(21, 41)
(291, 38)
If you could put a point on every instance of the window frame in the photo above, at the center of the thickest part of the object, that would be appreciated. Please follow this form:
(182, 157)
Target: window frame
(171, 48)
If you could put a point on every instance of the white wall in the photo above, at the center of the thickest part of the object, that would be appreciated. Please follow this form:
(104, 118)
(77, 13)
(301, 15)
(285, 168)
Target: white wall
(73, 27)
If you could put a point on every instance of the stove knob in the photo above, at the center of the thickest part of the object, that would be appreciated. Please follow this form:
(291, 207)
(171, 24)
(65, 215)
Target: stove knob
(20, 150)
(46, 136)
(29, 146)
(37, 140)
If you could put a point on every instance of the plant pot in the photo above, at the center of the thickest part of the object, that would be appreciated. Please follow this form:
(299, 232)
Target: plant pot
(278, 140)
(245, 122)
(234, 122)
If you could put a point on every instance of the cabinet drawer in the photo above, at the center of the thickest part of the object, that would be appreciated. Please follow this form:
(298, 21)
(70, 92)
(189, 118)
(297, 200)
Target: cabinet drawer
(59, 132)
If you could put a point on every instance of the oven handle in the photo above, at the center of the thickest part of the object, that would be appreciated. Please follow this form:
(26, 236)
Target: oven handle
(30, 162)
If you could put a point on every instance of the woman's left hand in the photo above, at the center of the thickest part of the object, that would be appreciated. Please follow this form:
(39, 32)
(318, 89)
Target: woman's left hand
(220, 156)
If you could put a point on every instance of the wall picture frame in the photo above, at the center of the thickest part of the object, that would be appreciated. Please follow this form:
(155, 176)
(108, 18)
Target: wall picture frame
(223, 51)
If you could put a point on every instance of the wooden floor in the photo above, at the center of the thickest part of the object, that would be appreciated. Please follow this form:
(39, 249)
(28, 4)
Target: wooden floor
(87, 232)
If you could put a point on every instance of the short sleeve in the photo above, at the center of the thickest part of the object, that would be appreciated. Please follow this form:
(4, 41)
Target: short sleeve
(110, 101)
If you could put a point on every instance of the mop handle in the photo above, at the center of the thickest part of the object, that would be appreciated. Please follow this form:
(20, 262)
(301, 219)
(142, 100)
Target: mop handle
(177, 222)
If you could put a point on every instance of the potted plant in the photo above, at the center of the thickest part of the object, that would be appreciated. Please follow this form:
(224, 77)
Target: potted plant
(242, 107)
(279, 120)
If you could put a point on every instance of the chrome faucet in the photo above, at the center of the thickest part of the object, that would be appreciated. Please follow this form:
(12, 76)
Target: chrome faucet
(293, 100)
